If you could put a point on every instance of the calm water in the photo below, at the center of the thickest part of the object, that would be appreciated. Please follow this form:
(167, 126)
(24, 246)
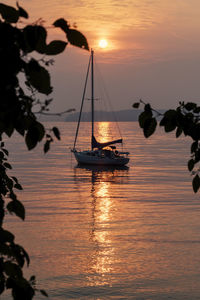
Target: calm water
(110, 234)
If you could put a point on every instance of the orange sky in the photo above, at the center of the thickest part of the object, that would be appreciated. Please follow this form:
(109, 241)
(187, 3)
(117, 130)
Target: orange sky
(153, 47)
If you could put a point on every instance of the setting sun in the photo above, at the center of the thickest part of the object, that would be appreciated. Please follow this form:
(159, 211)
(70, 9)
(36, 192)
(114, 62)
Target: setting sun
(103, 43)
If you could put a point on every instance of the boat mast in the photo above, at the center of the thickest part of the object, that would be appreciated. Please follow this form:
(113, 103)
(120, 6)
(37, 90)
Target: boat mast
(83, 98)
(92, 94)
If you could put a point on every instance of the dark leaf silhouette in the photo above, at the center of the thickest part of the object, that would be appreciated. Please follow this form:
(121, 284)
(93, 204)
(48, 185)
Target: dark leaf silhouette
(22, 12)
(47, 146)
(179, 131)
(9, 13)
(17, 208)
(185, 119)
(55, 47)
(38, 77)
(34, 135)
(56, 132)
(190, 106)
(12, 269)
(18, 186)
(6, 236)
(196, 183)
(75, 37)
(149, 127)
(62, 24)
(191, 164)
(136, 105)
(34, 39)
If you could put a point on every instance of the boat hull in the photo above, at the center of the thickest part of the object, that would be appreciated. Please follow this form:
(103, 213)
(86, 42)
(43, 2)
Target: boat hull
(83, 158)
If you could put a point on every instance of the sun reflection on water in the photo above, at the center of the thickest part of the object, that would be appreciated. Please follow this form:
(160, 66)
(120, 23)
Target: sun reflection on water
(105, 202)
(106, 131)
(103, 131)
(103, 259)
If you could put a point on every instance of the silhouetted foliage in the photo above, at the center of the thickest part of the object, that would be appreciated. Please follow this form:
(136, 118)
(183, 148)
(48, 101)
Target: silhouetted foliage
(185, 120)
(23, 77)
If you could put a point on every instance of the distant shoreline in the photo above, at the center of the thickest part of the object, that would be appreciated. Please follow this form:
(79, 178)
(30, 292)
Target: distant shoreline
(128, 115)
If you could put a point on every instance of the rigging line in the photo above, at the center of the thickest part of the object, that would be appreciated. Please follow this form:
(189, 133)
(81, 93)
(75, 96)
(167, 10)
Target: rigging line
(109, 110)
(101, 90)
(102, 93)
(102, 105)
(107, 95)
(83, 97)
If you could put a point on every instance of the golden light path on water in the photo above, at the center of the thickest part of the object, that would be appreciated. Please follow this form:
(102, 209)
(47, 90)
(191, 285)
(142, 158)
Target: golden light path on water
(102, 131)
(103, 258)
(103, 204)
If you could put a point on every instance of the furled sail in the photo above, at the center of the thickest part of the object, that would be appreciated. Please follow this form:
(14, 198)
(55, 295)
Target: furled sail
(98, 145)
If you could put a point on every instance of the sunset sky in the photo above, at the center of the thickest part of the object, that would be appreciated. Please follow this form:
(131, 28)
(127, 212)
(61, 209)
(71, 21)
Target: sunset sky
(153, 49)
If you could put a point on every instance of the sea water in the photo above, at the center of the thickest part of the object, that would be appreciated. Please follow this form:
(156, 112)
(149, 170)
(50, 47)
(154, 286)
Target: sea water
(99, 233)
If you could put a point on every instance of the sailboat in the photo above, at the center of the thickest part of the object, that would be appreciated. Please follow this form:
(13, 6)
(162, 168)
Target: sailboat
(100, 154)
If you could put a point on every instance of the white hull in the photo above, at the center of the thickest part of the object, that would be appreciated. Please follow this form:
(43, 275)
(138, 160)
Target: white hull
(84, 158)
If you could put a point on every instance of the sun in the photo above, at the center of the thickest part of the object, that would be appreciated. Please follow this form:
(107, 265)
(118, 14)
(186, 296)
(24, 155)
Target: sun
(103, 43)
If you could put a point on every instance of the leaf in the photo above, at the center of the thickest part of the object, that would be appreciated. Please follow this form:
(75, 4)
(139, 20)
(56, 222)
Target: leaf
(178, 131)
(191, 164)
(43, 293)
(169, 121)
(17, 208)
(76, 38)
(56, 132)
(12, 269)
(13, 196)
(47, 146)
(31, 139)
(5, 151)
(147, 108)
(136, 105)
(26, 256)
(34, 135)
(2, 283)
(197, 155)
(35, 38)
(15, 179)
(7, 165)
(18, 255)
(18, 186)
(9, 130)
(38, 77)
(1, 155)
(9, 13)
(55, 47)
(22, 12)
(196, 183)
(143, 117)
(194, 146)
(190, 106)
(62, 24)
(21, 255)
(197, 110)
(6, 236)
(149, 127)
(195, 132)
